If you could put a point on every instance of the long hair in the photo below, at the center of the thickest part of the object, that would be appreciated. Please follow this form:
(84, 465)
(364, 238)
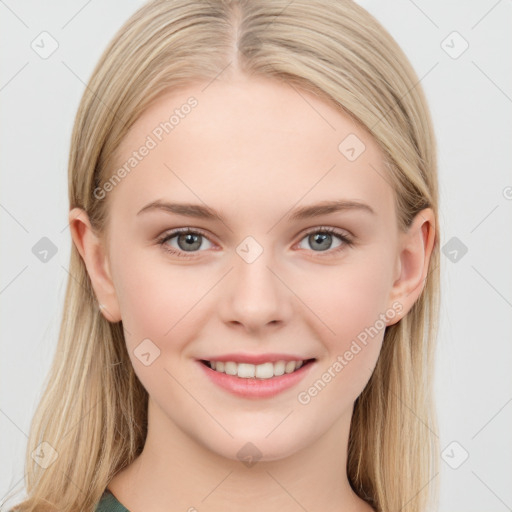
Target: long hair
(91, 420)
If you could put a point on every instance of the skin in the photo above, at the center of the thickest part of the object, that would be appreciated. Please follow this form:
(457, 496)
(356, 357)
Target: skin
(252, 150)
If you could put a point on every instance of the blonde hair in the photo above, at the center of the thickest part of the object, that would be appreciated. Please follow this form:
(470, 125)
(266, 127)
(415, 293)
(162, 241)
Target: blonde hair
(93, 411)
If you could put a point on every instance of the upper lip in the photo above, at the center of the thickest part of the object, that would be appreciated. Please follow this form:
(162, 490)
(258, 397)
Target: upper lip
(256, 358)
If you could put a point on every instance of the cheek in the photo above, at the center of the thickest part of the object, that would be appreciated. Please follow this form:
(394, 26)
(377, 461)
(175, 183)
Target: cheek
(351, 297)
(155, 299)
(166, 303)
(159, 303)
(350, 308)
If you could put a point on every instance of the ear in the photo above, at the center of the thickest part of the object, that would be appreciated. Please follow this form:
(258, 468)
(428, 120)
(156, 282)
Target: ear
(415, 249)
(93, 253)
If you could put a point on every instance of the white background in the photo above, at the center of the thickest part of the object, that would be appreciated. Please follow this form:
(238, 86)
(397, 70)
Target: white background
(471, 101)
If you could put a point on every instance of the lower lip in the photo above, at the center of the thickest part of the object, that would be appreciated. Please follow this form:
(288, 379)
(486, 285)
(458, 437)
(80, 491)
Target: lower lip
(257, 388)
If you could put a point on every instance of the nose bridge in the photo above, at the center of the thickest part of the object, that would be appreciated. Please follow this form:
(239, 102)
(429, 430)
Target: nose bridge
(256, 296)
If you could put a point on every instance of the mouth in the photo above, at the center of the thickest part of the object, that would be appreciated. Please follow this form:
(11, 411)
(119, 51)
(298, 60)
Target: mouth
(264, 371)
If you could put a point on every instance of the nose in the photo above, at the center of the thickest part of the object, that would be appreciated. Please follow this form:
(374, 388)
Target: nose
(254, 296)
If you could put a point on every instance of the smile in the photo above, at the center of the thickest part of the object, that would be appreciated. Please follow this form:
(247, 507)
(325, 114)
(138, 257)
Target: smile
(259, 381)
(251, 371)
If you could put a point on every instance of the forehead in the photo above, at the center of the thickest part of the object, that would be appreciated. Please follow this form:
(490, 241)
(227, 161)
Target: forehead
(248, 146)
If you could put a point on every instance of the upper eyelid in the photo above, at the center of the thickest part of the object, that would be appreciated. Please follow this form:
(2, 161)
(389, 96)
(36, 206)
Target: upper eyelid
(171, 233)
(177, 231)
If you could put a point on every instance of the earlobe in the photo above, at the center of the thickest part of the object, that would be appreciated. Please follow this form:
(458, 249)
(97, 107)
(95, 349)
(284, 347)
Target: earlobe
(93, 254)
(415, 249)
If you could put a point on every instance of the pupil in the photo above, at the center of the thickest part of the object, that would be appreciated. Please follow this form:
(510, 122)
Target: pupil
(321, 238)
(190, 239)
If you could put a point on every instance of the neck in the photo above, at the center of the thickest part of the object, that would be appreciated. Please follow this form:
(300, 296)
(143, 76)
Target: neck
(176, 471)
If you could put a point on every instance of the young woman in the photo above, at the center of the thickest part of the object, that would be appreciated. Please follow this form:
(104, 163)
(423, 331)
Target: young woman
(251, 313)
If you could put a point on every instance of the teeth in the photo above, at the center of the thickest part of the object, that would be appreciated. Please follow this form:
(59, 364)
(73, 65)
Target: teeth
(260, 371)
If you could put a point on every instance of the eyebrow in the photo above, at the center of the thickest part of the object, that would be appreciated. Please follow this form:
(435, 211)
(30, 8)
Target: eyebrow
(305, 212)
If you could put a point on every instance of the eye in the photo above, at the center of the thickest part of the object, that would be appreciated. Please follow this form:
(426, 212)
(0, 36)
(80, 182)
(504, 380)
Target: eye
(322, 238)
(188, 241)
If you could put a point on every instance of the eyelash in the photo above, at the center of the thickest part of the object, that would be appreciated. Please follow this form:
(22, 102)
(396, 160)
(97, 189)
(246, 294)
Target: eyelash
(347, 242)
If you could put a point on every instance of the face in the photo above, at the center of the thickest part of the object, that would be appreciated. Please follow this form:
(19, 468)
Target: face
(270, 275)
